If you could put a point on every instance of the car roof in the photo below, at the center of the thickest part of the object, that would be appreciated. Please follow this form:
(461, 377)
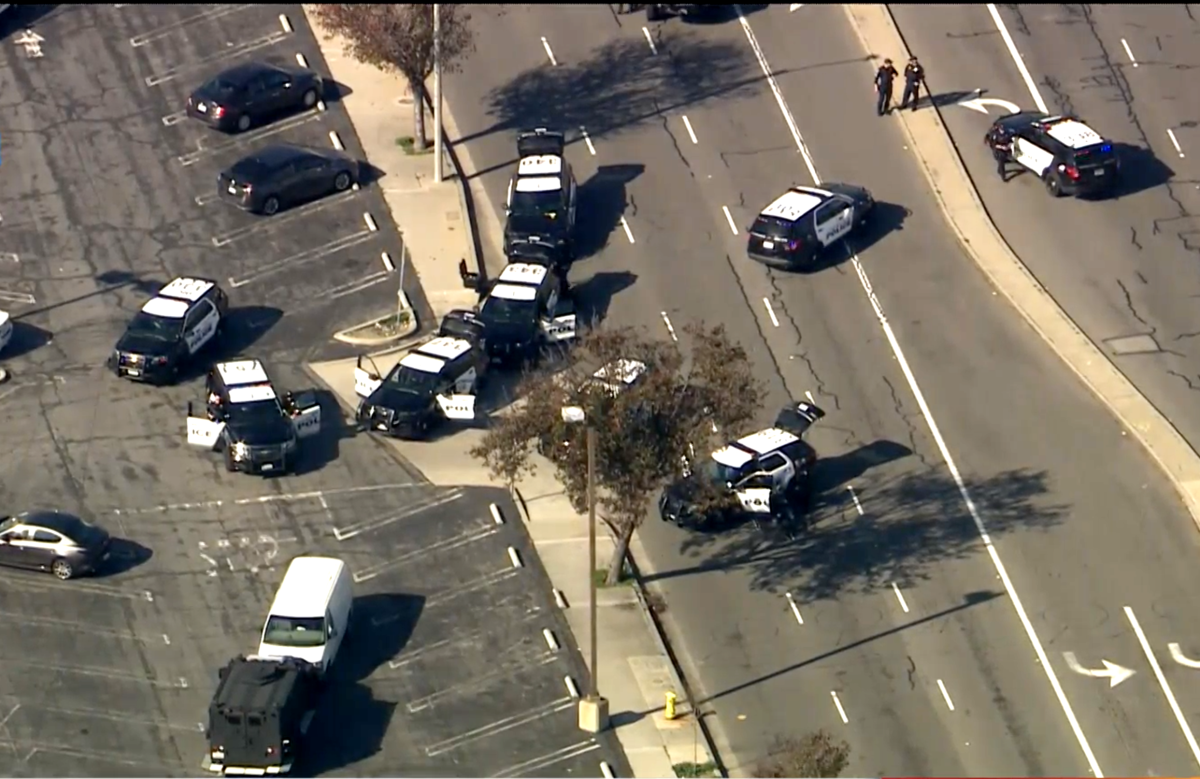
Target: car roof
(422, 362)
(1072, 132)
(252, 393)
(306, 587)
(240, 75)
(274, 156)
(540, 165)
(795, 203)
(745, 449)
(523, 273)
(167, 308)
(518, 292)
(445, 347)
(242, 372)
(65, 524)
(186, 288)
(539, 184)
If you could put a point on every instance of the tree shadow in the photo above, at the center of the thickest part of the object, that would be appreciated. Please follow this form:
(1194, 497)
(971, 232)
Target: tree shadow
(593, 295)
(916, 521)
(26, 338)
(124, 555)
(602, 202)
(831, 473)
(624, 83)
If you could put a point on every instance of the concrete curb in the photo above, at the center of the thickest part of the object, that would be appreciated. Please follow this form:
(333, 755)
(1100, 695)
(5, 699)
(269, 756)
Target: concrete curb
(466, 199)
(1009, 275)
(347, 336)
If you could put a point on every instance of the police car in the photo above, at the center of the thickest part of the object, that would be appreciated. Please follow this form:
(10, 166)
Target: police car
(170, 330)
(768, 474)
(540, 206)
(6, 329)
(1068, 156)
(438, 380)
(524, 309)
(257, 430)
(800, 224)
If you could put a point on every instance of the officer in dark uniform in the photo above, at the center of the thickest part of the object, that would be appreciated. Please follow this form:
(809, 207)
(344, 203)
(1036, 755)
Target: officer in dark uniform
(914, 76)
(1001, 143)
(883, 87)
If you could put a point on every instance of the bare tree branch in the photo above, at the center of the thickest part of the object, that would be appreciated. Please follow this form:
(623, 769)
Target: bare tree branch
(816, 754)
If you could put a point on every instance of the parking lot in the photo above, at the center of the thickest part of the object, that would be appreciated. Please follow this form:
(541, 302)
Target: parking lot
(105, 194)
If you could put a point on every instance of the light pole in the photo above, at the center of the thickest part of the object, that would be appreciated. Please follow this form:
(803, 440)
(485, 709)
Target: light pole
(593, 709)
(437, 94)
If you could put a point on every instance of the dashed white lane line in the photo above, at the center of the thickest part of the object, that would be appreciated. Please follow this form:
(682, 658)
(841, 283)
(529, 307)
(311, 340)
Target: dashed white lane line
(1162, 682)
(670, 327)
(853, 495)
(549, 51)
(628, 232)
(1129, 51)
(729, 218)
(900, 597)
(1175, 142)
(771, 311)
(841, 711)
(795, 609)
(650, 40)
(945, 694)
(691, 133)
(587, 139)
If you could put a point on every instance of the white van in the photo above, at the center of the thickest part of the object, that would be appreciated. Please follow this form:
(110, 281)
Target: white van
(311, 612)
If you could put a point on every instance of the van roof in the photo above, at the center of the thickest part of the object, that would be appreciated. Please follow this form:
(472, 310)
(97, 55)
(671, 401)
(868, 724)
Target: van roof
(306, 587)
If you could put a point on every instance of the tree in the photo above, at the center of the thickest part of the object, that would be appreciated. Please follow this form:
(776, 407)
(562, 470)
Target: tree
(641, 430)
(399, 38)
(817, 754)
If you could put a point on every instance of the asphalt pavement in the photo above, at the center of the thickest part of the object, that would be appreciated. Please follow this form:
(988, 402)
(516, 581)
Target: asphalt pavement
(903, 599)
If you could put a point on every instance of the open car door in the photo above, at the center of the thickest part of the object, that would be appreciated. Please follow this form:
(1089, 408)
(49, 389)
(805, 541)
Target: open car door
(561, 324)
(202, 431)
(799, 418)
(305, 411)
(756, 500)
(535, 143)
(460, 407)
(366, 380)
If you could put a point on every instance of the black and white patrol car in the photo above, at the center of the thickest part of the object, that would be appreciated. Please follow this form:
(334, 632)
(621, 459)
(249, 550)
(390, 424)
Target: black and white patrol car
(525, 308)
(436, 381)
(170, 330)
(769, 472)
(800, 224)
(540, 205)
(256, 429)
(1068, 156)
(6, 329)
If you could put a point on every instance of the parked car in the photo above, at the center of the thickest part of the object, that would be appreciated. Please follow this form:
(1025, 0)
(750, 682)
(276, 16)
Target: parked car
(252, 94)
(281, 175)
(53, 541)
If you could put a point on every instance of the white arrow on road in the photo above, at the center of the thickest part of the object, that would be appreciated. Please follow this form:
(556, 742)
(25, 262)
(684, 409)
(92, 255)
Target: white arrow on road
(1115, 673)
(796, 7)
(32, 43)
(980, 104)
(1178, 656)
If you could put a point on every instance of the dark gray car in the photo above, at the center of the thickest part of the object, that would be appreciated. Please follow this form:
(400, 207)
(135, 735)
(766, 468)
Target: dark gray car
(52, 541)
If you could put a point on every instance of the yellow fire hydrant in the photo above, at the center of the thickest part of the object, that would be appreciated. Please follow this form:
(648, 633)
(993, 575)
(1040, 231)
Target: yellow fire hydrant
(669, 710)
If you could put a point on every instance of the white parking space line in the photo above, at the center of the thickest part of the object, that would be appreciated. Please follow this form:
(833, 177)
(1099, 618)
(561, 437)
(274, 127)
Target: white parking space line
(482, 681)
(378, 523)
(303, 258)
(1175, 142)
(729, 218)
(37, 584)
(606, 769)
(262, 223)
(445, 545)
(670, 327)
(628, 232)
(231, 52)
(771, 311)
(438, 648)
(1166, 687)
(109, 716)
(170, 120)
(358, 285)
(301, 60)
(841, 710)
(336, 140)
(1129, 51)
(650, 40)
(945, 694)
(216, 12)
(691, 133)
(900, 597)
(549, 51)
(850, 488)
(466, 588)
(795, 609)
(587, 139)
(285, 23)
(98, 673)
(71, 625)
(16, 297)
(245, 139)
(203, 200)
(286, 497)
(529, 767)
(500, 726)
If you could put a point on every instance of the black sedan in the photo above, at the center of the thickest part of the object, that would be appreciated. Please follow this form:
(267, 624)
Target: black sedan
(53, 541)
(798, 226)
(252, 94)
(281, 175)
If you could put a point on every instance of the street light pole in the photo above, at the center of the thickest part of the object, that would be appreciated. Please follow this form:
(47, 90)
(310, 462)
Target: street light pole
(594, 689)
(437, 94)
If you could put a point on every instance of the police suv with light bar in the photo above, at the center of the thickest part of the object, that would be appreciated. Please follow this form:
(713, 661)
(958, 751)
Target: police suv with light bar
(1068, 156)
(540, 206)
(170, 330)
(524, 309)
(803, 222)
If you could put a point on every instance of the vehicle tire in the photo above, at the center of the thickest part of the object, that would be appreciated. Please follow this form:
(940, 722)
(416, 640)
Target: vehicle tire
(342, 181)
(62, 569)
(230, 465)
(243, 123)
(310, 98)
(1053, 186)
(270, 206)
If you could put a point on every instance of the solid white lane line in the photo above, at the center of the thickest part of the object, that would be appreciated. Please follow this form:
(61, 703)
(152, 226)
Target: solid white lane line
(650, 40)
(794, 607)
(1129, 51)
(670, 327)
(1175, 142)
(841, 712)
(945, 694)
(1017, 59)
(549, 52)
(1162, 682)
(628, 232)
(691, 133)
(588, 140)
(771, 311)
(729, 218)
(850, 488)
(927, 413)
(900, 597)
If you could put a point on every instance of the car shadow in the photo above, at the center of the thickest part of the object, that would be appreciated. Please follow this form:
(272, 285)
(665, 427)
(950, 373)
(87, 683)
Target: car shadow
(722, 13)
(831, 473)
(25, 338)
(323, 448)
(593, 295)
(368, 174)
(335, 91)
(124, 555)
(602, 202)
(350, 726)
(885, 219)
(380, 627)
(1141, 169)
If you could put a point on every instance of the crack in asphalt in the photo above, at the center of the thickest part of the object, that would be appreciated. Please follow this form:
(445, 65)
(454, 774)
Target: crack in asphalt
(666, 125)
(1133, 238)
(1185, 379)
(906, 418)
(1133, 309)
(820, 389)
(757, 322)
(912, 672)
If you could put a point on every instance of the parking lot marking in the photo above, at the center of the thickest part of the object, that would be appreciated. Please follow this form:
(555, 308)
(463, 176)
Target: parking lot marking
(945, 694)
(264, 223)
(467, 588)
(216, 12)
(691, 133)
(301, 258)
(549, 52)
(500, 726)
(171, 120)
(529, 767)
(109, 716)
(349, 288)
(378, 523)
(318, 495)
(1129, 51)
(387, 261)
(505, 669)
(74, 626)
(20, 581)
(16, 297)
(551, 641)
(285, 23)
(203, 200)
(515, 558)
(301, 60)
(650, 40)
(841, 711)
(245, 139)
(231, 52)
(9, 256)
(445, 545)
(336, 140)
(102, 673)
(628, 232)
(729, 218)
(572, 688)
(445, 645)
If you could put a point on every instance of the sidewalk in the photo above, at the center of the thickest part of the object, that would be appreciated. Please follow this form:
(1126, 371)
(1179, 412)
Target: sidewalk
(635, 670)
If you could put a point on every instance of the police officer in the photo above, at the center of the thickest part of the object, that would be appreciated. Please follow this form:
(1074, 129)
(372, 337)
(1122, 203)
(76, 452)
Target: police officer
(1001, 142)
(883, 87)
(914, 76)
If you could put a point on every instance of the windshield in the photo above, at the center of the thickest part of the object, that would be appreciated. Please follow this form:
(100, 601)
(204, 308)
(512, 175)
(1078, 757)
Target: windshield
(536, 203)
(502, 311)
(405, 379)
(256, 412)
(717, 474)
(158, 327)
(294, 631)
(771, 227)
(8, 522)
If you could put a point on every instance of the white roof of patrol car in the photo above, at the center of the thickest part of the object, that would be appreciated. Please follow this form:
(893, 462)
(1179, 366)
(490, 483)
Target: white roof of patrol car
(514, 292)
(744, 450)
(252, 393)
(422, 362)
(1073, 133)
(539, 184)
(446, 347)
(795, 203)
(242, 372)
(185, 288)
(541, 165)
(523, 273)
(167, 308)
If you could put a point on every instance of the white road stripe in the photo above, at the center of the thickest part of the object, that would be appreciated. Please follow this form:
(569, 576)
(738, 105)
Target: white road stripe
(729, 218)
(900, 597)
(1017, 59)
(628, 232)
(945, 694)
(795, 609)
(841, 711)
(587, 139)
(650, 40)
(691, 133)
(771, 311)
(1175, 142)
(670, 327)
(549, 51)
(1162, 682)
(1129, 51)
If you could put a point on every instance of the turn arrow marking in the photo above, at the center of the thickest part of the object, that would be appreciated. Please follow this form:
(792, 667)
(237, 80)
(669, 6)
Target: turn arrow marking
(1113, 672)
(796, 7)
(980, 104)
(1178, 656)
